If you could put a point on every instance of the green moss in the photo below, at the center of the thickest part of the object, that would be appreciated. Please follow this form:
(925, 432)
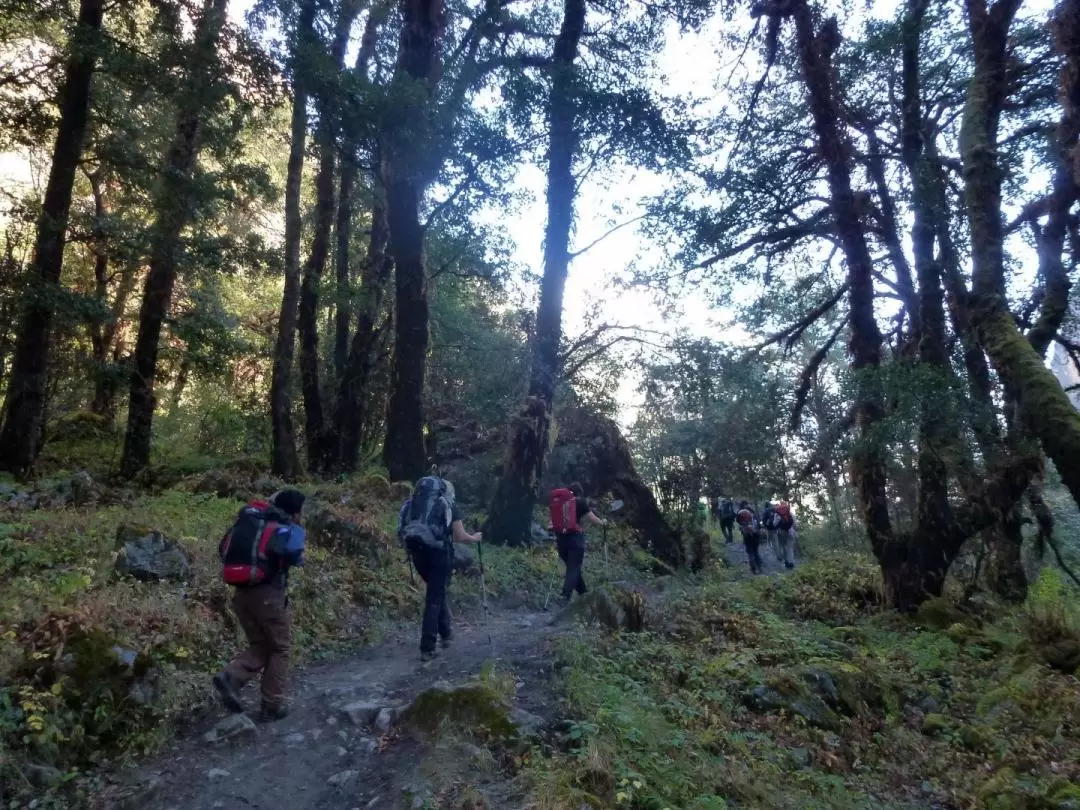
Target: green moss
(939, 613)
(976, 738)
(476, 709)
(935, 724)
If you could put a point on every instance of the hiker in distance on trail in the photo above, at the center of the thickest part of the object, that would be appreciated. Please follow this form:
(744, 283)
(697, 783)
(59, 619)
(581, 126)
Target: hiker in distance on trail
(727, 519)
(569, 511)
(750, 529)
(783, 525)
(264, 542)
(428, 526)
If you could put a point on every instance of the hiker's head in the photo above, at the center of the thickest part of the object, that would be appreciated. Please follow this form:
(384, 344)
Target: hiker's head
(289, 501)
(577, 489)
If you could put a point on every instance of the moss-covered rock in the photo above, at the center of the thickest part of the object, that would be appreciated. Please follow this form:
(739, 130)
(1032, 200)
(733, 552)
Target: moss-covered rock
(340, 526)
(785, 694)
(976, 737)
(616, 609)
(148, 555)
(473, 709)
(939, 613)
(935, 724)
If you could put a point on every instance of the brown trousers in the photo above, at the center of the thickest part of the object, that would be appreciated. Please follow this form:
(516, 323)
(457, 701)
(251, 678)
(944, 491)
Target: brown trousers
(262, 613)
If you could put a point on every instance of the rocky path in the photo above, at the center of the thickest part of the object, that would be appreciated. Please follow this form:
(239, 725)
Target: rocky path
(337, 747)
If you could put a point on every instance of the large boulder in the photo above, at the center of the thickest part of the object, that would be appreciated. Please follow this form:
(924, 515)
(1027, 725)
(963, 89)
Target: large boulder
(146, 554)
(341, 526)
(787, 696)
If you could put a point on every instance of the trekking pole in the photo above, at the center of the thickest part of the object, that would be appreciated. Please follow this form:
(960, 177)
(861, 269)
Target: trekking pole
(551, 585)
(483, 597)
(483, 584)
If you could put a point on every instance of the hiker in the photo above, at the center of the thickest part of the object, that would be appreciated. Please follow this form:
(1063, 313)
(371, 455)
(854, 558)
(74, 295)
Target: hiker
(265, 541)
(785, 530)
(727, 519)
(569, 511)
(768, 525)
(429, 525)
(750, 528)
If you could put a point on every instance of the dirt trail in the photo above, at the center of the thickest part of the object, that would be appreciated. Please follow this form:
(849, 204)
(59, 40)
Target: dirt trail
(317, 757)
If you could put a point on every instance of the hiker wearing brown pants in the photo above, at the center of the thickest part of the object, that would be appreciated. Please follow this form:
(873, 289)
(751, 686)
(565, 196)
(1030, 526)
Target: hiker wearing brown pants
(264, 616)
(256, 554)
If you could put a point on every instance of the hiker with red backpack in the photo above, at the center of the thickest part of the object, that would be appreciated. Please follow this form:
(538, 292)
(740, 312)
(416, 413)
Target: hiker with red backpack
(265, 541)
(428, 526)
(750, 529)
(569, 511)
(784, 523)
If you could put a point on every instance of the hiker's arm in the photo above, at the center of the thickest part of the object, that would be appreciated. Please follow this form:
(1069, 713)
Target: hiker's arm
(294, 545)
(590, 517)
(462, 536)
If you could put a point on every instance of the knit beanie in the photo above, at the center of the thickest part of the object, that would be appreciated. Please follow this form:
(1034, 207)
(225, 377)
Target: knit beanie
(289, 501)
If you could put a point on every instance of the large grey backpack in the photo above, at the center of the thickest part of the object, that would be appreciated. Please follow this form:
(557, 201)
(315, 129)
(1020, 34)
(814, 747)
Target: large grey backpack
(427, 523)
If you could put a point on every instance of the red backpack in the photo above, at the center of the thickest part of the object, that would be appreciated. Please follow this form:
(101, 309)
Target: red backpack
(562, 505)
(244, 549)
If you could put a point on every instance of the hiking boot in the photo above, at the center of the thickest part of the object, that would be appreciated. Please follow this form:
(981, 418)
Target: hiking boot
(230, 694)
(272, 711)
(446, 641)
(789, 566)
(428, 655)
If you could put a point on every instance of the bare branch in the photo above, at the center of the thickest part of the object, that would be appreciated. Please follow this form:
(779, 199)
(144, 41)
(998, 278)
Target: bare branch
(791, 334)
(574, 254)
(806, 379)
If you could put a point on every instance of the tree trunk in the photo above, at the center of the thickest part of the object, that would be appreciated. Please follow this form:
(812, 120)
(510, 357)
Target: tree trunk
(173, 207)
(518, 489)
(1043, 405)
(353, 406)
(408, 174)
(868, 463)
(24, 408)
(319, 442)
(284, 459)
(1066, 28)
(343, 297)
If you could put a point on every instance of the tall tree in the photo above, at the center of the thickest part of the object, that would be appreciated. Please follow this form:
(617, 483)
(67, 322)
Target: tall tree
(1040, 401)
(408, 173)
(284, 459)
(173, 205)
(356, 359)
(511, 512)
(320, 450)
(24, 407)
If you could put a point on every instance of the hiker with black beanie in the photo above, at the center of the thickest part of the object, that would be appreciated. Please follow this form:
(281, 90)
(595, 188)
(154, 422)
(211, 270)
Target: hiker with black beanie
(265, 541)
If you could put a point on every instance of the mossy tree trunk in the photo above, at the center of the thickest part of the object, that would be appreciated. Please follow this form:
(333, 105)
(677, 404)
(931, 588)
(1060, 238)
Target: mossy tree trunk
(1042, 405)
(518, 489)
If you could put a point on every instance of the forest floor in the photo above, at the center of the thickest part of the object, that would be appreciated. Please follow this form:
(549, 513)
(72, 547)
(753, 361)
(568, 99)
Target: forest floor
(332, 751)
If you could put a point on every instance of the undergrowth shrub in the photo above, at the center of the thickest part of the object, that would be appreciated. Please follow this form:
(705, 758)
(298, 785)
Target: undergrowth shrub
(1052, 622)
(837, 588)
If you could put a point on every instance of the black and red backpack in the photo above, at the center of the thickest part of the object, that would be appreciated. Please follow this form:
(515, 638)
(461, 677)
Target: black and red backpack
(247, 551)
(562, 508)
